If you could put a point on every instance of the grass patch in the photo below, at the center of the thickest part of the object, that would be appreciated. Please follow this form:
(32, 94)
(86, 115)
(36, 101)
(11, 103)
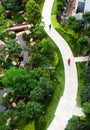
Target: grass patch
(54, 21)
(45, 120)
(54, 8)
(80, 68)
(30, 126)
(41, 5)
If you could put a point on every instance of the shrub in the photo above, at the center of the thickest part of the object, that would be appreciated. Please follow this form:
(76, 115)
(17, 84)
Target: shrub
(17, 18)
(12, 35)
(85, 94)
(30, 126)
(26, 37)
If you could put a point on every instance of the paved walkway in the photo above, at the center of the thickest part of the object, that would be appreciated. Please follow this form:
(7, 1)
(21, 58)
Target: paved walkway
(21, 27)
(67, 105)
(19, 38)
(82, 59)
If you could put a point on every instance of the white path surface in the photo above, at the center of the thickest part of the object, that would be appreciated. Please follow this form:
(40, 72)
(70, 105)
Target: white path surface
(82, 58)
(67, 105)
(19, 38)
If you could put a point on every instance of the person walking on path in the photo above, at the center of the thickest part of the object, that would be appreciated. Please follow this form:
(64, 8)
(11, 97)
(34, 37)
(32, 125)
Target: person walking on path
(69, 61)
(49, 26)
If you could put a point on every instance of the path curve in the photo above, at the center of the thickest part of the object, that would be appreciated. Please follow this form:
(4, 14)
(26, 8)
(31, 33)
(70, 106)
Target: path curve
(67, 105)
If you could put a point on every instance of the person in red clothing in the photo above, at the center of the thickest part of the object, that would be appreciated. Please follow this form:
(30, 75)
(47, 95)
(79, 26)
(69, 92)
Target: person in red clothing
(69, 61)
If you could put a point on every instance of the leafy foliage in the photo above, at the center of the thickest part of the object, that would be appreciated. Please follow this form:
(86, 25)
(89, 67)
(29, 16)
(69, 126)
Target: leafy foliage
(85, 94)
(33, 110)
(75, 124)
(39, 32)
(37, 94)
(86, 17)
(86, 74)
(46, 85)
(32, 12)
(13, 5)
(82, 44)
(19, 80)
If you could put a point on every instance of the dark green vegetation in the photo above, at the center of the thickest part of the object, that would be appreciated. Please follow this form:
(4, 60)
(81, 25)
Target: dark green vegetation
(16, 12)
(80, 68)
(35, 89)
(45, 120)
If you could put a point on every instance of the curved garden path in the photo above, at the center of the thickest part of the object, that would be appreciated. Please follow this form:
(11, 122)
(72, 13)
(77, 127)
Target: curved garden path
(67, 105)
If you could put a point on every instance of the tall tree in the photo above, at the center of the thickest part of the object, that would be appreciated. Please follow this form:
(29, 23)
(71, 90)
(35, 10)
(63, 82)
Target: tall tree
(33, 110)
(19, 80)
(32, 14)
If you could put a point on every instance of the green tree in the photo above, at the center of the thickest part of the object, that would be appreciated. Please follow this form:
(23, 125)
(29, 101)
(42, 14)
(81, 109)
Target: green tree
(13, 5)
(20, 109)
(3, 122)
(86, 110)
(39, 32)
(82, 44)
(3, 24)
(76, 25)
(33, 110)
(12, 119)
(75, 123)
(19, 80)
(6, 100)
(12, 49)
(38, 1)
(36, 73)
(45, 53)
(2, 11)
(38, 60)
(82, 122)
(46, 84)
(86, 17)
(85, 93)
(32, 12)
(37, 94)
(86, 74)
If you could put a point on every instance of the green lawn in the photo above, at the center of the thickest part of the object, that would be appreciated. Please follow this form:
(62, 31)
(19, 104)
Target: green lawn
(54, 8)
(80, 68)
(41, 5)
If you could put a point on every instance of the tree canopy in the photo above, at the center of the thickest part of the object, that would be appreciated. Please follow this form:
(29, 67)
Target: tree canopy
(19, 80)
(32, 14)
